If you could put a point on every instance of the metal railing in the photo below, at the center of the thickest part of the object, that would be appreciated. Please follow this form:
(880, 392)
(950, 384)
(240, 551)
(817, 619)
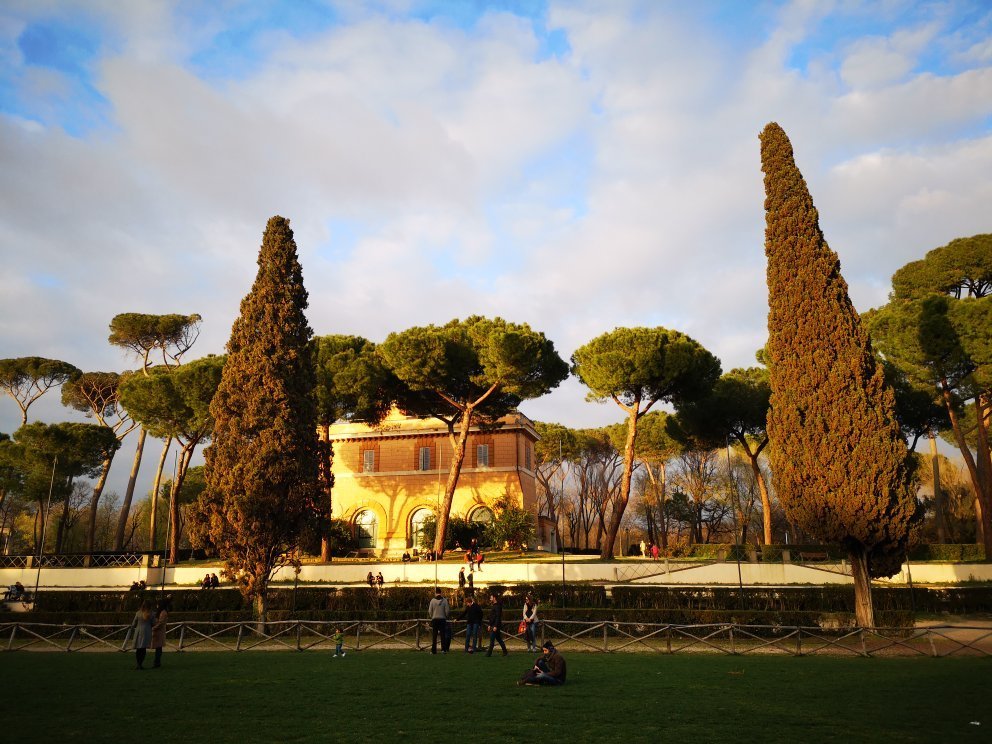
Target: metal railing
(602, 637)
(72, 560)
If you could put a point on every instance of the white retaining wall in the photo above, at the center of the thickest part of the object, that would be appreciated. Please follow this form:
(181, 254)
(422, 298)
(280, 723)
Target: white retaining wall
(637, 572)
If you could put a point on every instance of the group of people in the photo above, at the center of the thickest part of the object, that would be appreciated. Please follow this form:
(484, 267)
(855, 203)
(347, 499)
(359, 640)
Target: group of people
(210, 581)
(15, 591)
(439, 611)
(375, 581)
(547, 670)
(474, 558)
(650, 550)
(150, 624)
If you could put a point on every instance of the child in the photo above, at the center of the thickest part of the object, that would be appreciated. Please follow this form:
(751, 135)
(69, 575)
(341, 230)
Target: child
(338, 642)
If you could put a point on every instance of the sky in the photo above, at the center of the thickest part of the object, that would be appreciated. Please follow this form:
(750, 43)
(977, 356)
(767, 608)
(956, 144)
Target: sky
(577, 166)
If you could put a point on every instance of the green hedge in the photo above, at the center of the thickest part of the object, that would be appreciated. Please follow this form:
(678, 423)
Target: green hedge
(934, 600)
(681, 616)
(962, 553)
(360, 602)
(768, 553)
(966, 553)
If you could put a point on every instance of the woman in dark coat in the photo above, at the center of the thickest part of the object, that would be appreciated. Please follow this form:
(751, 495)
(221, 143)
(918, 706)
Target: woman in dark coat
(142, 632)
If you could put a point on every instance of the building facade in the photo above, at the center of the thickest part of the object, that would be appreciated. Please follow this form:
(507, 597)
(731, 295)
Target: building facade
(389, 479)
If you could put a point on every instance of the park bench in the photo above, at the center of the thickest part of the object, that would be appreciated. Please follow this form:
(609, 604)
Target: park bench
(809, 556)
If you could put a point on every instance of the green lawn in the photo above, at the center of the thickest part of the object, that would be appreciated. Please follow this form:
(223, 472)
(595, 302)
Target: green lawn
(388, 696)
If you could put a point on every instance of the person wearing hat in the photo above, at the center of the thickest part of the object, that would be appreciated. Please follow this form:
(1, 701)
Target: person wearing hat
(547, 670)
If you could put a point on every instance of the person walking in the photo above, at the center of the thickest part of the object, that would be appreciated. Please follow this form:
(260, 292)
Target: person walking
(471, 584)
(439, 610)
(159, 628)
(338, 638)
(644, 550)
(530, 622)
(472, 615)
(461, 578)
(379, 581)
(142, 632)
(496, 624)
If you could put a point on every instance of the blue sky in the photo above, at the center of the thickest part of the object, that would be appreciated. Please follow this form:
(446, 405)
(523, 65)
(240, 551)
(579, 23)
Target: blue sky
(575, 165)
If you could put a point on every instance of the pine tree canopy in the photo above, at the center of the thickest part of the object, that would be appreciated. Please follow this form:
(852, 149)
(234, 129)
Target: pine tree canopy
(352, 380)
(962, 268)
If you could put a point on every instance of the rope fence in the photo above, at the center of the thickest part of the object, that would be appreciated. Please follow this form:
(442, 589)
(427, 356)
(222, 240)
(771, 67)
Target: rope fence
(595, 637)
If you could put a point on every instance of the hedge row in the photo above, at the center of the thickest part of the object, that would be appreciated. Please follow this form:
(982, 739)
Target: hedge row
(685, 616)
(962, 553)
(365, 602)
(966, 553)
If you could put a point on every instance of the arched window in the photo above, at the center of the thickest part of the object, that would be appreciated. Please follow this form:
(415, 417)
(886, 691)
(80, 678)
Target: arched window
(481, 515)
(365, 529)
(417, 520)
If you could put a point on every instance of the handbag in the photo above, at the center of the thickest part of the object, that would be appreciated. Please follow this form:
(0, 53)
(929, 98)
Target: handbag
(522, 628)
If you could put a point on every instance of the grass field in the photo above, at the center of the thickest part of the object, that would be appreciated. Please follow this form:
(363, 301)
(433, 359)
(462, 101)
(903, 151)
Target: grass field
(387, 696)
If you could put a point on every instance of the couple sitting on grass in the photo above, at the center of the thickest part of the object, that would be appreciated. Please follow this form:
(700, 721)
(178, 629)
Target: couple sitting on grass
(547, 670)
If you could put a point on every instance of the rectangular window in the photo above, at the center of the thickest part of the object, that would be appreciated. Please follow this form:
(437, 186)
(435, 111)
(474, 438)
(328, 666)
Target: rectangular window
(368, 461)
(425, 458)
(482, 456)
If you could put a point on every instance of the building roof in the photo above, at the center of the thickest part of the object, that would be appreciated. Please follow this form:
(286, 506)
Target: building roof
(397, 424)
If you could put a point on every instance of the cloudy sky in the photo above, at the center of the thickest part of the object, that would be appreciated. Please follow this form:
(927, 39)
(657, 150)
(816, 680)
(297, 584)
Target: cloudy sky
(574, 165)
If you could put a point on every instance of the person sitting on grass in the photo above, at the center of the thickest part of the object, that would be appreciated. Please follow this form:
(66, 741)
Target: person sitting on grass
(547, 670)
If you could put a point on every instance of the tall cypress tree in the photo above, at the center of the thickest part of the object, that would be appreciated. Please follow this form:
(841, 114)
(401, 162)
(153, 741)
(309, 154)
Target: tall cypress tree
(839, 464)
(262, 468)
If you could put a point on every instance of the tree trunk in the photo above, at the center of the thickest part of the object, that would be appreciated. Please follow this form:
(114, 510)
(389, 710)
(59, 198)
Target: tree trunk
(327, 482)
(129, 494)
(95, 502)
(620, 504)
(457, 458)
(185, 455)
(158, 481)
(864, 611)
(261, 605)
(766, 502)
(63, 519)
(39, 519)
(938, 494)
(983, 507)
(663, 480)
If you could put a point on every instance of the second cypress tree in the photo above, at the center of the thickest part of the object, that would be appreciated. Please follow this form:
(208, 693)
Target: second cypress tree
(262, 467)
(839, 464)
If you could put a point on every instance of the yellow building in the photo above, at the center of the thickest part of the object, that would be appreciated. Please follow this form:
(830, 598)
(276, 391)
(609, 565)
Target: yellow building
(389, 479)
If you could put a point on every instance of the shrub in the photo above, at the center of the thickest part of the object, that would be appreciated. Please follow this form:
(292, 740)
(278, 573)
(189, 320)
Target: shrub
(968, 553)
